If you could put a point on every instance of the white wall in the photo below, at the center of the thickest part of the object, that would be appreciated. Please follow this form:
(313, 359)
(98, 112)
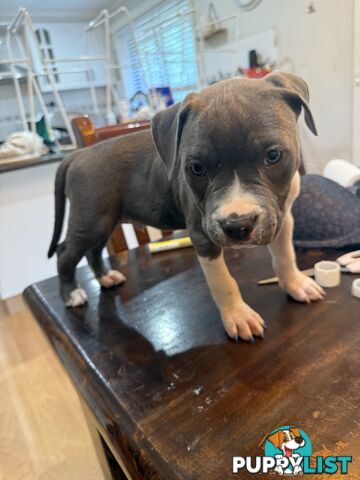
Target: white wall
(75, 101)
(26, 223)
(26, 219)
(320, 46)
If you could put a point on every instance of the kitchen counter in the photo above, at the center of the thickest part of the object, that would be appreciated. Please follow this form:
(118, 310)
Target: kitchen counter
(27, 161)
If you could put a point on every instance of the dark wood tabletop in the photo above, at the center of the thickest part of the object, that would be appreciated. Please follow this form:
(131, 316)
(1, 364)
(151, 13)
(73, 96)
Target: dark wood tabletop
(174, 398)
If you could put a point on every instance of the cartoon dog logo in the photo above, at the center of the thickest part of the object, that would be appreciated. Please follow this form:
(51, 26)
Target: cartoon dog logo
(288, 441)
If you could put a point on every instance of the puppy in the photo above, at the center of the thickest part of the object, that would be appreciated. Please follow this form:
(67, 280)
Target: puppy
(288, 441)
(223, 163)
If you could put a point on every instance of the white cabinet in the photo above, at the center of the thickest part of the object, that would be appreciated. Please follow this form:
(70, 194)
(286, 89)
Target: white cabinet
(26, 224)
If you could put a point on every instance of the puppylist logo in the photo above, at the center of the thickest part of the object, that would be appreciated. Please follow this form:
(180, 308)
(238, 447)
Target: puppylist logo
(288, 451)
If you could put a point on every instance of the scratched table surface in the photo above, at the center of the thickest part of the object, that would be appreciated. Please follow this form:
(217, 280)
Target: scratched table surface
(174, 398)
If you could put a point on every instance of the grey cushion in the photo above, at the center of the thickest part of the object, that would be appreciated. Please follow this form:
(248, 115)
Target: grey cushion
(326, 214)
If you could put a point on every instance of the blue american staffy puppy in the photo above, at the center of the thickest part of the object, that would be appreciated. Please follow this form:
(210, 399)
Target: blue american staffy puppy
(222, 163)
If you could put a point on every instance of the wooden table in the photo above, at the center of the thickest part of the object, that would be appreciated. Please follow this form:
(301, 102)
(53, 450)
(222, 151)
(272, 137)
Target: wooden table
(173, 398)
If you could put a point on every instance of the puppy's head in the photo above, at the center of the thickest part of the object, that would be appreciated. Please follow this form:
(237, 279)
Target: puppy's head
(235, 144)
(287, 440)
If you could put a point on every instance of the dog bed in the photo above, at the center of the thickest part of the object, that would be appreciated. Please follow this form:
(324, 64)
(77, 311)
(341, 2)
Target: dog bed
(326, 215)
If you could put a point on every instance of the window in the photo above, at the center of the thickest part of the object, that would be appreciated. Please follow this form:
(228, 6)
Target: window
(165, 53)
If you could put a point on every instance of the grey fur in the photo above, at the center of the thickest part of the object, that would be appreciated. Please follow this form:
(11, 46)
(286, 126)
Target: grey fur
(147, 177)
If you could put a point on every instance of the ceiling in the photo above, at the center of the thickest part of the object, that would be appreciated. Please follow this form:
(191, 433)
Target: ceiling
(54, 9)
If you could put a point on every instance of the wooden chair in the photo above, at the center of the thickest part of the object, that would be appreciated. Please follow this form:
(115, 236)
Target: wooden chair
(86, 134)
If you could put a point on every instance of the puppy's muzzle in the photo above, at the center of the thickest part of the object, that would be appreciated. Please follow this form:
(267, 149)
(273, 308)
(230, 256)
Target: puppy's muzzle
(238, 228)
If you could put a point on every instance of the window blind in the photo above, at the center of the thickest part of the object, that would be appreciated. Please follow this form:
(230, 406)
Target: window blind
(166, 53)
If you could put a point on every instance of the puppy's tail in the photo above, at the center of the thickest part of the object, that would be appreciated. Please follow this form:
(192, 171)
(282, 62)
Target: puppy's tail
(60, 181)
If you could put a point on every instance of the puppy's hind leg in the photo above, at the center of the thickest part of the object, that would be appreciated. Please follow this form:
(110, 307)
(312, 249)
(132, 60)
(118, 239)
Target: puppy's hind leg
(107, 278)
(69, 253)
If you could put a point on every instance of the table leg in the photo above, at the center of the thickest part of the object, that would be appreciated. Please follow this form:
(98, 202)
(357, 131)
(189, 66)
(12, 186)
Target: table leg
(109, 466)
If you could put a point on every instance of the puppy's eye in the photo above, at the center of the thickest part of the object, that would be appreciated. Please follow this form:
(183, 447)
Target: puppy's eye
(273, 156)
(198, 169)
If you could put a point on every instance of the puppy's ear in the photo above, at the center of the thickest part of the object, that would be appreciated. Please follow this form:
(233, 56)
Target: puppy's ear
(296, 432)
(295, 92)
(166, 128)
(276, 438)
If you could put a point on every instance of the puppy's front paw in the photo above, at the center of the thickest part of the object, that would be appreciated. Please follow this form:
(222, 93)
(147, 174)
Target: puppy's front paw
(242, 321)
(303, 288)
(77, 298)
(112, 278)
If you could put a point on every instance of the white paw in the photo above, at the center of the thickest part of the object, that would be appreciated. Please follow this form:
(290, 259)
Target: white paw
(303, 288)
(77, 298)
(242, 321)
(297, 470)
(112, 278)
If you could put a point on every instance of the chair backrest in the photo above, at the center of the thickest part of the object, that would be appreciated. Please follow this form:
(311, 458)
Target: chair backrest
(86, 134)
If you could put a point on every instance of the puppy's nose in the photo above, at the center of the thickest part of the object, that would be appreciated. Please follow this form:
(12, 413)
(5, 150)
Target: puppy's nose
(239, 227)
(299, 440)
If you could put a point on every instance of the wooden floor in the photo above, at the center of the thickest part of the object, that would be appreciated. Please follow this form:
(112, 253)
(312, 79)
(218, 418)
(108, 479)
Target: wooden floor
(43, 434)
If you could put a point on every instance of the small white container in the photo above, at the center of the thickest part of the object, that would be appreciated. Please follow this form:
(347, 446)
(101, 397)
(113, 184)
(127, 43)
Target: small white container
(327, 274)
(355, 288)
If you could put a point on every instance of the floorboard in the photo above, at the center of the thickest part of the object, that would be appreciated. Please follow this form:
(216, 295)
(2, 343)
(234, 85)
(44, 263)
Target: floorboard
(43, 431)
